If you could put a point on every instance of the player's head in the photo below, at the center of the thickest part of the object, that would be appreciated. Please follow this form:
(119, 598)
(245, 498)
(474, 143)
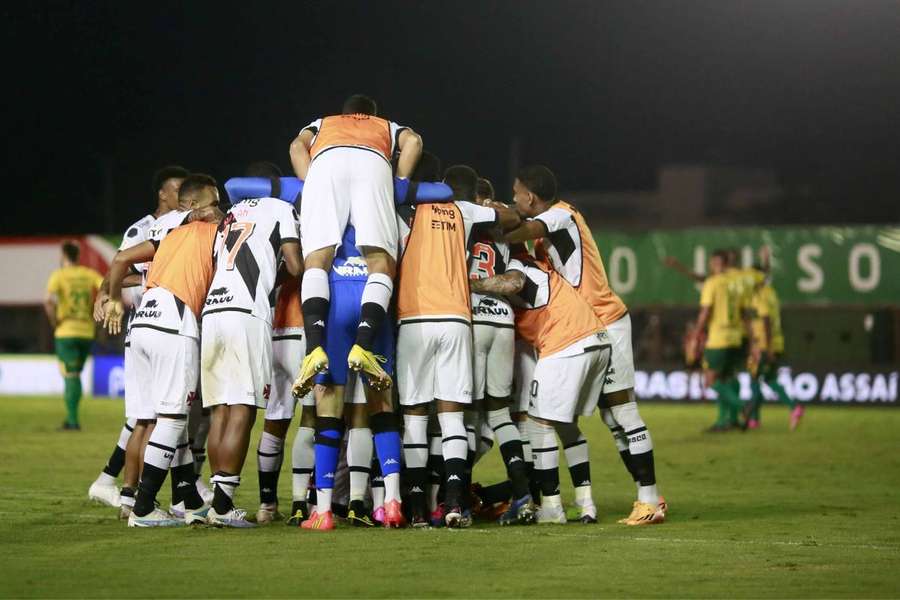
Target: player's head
(534, 189)
(268, 170)
(70, 252)
(731, 258)
(166, 182)
(718, 262)
(484, 192)
(359, 104)
(463, 180)
(428, 168)
(198, 190)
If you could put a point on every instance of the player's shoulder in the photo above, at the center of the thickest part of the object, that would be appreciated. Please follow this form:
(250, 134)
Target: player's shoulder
(139, 228)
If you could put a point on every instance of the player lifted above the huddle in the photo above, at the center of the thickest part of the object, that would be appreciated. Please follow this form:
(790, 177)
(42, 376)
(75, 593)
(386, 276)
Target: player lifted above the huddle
(567, 241)
(346, 162)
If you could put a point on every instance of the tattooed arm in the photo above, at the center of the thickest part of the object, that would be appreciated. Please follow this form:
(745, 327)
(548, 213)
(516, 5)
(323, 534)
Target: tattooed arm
(506, 284)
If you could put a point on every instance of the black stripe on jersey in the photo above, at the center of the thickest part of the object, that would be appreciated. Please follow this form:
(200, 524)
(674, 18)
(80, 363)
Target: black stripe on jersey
(278, 338)
(180, 306)
(563, 243)
(443, 320)
(275, 240)
(529, 291)
(156, 327)
(246, 265)
(227, 309)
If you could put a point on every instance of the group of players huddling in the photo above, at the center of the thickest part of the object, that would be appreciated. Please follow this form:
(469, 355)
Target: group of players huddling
(389, 289)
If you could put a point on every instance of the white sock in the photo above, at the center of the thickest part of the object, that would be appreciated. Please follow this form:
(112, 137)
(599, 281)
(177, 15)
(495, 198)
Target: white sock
(359, 460)
(454, 440)
(105, 479)
(302, 461)
(270, 453)
(415, 441)
(522, 426)
(315, 285)
(163, 443)
(323, 500)
(639, 443)
(378, 289)
(392, 487)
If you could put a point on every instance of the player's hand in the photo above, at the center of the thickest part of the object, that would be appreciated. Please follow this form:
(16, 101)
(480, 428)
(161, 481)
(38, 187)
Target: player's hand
(112, 320)
(99, 310)
(670, 261)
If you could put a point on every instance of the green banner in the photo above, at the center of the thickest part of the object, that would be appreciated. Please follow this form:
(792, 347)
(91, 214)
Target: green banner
(810, 265)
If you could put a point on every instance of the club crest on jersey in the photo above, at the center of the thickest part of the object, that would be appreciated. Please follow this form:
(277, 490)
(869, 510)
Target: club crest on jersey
(218, 296)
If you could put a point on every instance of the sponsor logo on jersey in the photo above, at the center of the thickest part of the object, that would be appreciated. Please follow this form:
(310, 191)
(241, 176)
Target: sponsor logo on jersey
(219, 295)
(354, 266)
(491, 308)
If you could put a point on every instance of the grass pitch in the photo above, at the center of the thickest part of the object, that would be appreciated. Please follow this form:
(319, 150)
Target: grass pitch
(761, 514)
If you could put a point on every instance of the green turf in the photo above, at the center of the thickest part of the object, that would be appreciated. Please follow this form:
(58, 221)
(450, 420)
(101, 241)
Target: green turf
(761, 514)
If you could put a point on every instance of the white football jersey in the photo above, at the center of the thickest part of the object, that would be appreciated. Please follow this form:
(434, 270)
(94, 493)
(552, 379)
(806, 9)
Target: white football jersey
(489, 258)
(248, 249)
(565, 249)
(134, 235)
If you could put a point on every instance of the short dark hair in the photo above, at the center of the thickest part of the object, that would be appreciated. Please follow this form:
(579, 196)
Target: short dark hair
(166, 173)
(192, 184)
(428, 168)
(485, 188)
(262, 168)
(540, 181)
(463, 180)
(720, 253)
(359, 104)
(71, 250)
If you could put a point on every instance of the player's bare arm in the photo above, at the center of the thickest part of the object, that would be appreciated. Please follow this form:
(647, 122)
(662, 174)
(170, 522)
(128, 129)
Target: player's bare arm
(767, 331)
(499, 285)
(679, 267)
(529, 230)
(410, 145)
(118, 270)
(299, 152)
(702, 319)
(50, 309)
(507, 218)
(293, 262)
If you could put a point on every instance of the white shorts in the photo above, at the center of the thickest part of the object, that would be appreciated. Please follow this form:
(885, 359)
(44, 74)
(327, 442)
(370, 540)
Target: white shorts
(132, 386)
(287, 354)
(348, 186)
(620, 375)
(165, 367)
(236, 359)
(434, 361)
(493, 366)
(565, 387)
(523, 375)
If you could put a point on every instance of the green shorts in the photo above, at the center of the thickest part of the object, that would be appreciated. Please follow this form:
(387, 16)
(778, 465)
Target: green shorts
(73, 352)
(723, 361)
(768, 370)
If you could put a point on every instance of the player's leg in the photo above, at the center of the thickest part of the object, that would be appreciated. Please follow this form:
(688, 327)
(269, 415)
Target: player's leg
(453, 394)
(388, 447)
(575, 447)
(104, 489)
(718, 373)
(198, 432)
(269, 458)
(373, 214)
(72, 353)
(523, 376)
(302, 461)
(436, 473)
(173, 363)
(324, 214)
(329, 433)
(360, 449)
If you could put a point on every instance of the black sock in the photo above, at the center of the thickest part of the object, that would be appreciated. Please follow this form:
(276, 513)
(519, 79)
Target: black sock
(644, 469)
(222, 502)
(417, 478)
(184, 479)
(498, 492)
(454, 481)
(516, 469)
(629, 464)
(548, 479)
(371, 317)
(315, 313)
(152, 479)
(268, 487)
(116, 462)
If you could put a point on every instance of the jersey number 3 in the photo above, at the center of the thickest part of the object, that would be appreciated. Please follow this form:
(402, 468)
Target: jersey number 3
(485, 259)
(240, 233)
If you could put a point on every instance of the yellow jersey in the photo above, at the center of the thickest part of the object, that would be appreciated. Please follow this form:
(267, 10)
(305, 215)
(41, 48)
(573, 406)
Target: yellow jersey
(722, 294)
(766, 304)
(75, 288)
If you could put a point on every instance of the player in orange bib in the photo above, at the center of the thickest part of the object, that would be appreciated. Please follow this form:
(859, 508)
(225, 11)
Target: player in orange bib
(434, 344)
(345, 161)
(165, 348)
(573, 354)
(570, 248)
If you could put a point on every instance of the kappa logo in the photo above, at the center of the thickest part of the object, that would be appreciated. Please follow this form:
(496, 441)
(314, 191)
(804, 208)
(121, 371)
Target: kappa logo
(586, 482)
(416, 490)
(328, 475)
(608, 380)
(514, 459)
(265, 490)
(454, 478)
(391, 461)
(182, 484)
(319, 323)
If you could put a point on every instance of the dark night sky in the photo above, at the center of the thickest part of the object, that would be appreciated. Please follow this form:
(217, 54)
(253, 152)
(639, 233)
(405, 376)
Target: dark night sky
(601, 92)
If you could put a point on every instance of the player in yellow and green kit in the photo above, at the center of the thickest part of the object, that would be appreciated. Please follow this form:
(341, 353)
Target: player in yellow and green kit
(767, 350)
(721, 315)
(69, 306)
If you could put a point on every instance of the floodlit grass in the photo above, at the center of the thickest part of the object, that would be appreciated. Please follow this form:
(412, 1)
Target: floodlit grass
(761, 514)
